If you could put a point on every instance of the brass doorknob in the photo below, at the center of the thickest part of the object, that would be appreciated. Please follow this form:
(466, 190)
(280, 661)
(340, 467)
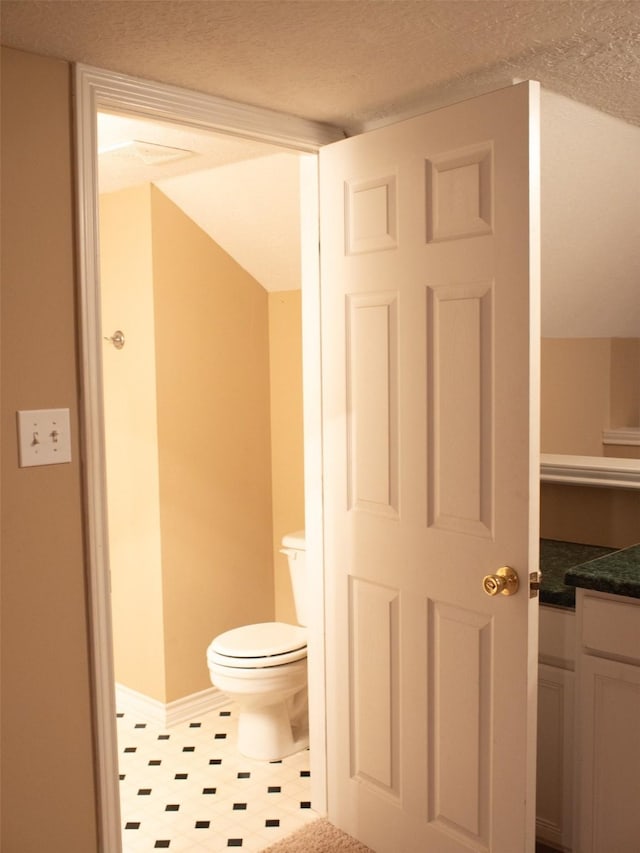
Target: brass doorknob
(505, 582)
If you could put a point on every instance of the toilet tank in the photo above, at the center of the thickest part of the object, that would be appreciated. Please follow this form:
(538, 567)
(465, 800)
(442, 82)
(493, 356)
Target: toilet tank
(294, 546)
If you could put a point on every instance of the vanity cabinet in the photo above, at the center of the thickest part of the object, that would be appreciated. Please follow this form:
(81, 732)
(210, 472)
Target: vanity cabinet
(556, 686)
(608, 736)
(588, 784)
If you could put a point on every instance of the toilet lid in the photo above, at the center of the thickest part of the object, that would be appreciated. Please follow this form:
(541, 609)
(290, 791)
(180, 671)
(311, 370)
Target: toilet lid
(295, 540)
(263, 644)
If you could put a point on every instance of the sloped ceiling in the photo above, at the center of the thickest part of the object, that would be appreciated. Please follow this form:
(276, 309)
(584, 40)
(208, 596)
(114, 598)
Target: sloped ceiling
(252, 210)
(244, 194)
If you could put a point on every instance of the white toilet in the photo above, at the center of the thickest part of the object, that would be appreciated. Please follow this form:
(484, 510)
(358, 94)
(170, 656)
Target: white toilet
(263, 668)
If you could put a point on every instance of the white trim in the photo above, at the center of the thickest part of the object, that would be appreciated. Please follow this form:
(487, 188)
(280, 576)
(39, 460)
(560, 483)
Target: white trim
(627, 436)
(94, 477)
(454, 92)
(160, 101)
(602, 471)
(313, 496)
(193, 706)
(96, 89)
(129, 701)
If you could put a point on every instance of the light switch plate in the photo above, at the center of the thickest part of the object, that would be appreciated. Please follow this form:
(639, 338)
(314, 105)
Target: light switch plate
(44, 437)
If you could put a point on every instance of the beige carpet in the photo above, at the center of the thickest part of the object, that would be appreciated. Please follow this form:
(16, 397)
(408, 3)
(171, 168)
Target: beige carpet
(318, 837)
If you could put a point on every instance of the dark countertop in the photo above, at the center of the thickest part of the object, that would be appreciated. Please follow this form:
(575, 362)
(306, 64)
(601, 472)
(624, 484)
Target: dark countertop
(556, 558)
(617, 573)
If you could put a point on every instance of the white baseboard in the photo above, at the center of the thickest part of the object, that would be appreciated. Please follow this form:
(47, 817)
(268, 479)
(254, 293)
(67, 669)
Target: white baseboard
(129, 701)
(195, 705)
(629, 436)
(607, 471)
(550, 835)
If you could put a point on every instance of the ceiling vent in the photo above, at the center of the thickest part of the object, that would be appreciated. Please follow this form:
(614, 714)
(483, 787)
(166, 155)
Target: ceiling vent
(148, 153)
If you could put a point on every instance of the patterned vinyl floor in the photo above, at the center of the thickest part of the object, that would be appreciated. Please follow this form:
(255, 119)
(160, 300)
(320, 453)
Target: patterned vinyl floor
(188, 789)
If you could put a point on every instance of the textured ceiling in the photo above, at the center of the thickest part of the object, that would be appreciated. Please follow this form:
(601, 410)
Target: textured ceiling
(351, 63)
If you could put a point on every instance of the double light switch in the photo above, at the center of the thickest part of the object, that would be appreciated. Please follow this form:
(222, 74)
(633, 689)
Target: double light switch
(44, 437)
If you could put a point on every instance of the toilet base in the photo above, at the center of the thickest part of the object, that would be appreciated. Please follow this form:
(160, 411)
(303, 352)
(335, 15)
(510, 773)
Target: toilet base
(272, 732)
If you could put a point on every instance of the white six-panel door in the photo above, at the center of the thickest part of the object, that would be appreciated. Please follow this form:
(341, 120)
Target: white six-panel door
(429, 357)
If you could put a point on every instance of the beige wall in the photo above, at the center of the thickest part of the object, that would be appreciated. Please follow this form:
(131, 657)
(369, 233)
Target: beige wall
(591, 515)
(575, 395)
(212, 355)
(48, 793)
(622, 451)
(188, 443)
(131, 436)
(588, 385)
(285, 348)
(625, 382)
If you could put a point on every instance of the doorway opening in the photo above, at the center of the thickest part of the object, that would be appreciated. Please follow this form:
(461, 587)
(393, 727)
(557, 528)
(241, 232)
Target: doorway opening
(202, 396)
(98, 93)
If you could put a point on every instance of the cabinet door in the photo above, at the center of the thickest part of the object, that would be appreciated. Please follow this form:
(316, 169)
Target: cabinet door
(555, 755)
(609, 754)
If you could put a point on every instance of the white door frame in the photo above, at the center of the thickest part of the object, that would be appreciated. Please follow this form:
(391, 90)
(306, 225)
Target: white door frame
(96, 90)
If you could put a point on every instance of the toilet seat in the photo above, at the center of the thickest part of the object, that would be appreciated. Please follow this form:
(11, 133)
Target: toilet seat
(265, 644)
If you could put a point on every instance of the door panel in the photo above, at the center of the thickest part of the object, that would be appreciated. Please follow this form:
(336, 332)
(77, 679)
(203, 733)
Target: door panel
(460, 388)
(374, 662)
(372, 393)
(459, 705)
(429, 359)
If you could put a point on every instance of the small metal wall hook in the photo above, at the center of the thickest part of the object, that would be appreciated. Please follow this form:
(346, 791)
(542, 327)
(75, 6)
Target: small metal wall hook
(117, 339)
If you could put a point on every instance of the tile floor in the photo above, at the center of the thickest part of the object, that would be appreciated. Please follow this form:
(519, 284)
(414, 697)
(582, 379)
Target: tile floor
(187, 789)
